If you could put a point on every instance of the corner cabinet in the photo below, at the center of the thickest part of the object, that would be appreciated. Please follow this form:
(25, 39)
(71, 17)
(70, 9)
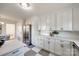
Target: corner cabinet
(64, 19)
(63, 47)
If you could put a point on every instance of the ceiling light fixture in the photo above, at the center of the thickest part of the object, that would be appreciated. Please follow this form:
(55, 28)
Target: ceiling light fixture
(1, 22)
(25, 5)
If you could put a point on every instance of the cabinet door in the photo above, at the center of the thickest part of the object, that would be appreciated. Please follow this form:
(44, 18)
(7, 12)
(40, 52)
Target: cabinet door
(59, 21)
(51, 22)
(41, 42)
(67, 48)
(76, 18)
(46, 44)
(34, 36)
(52, 45)
(64, 19)
(35, 33)
(58, 47)
(67, 19)
(43, 22)
(76, 52)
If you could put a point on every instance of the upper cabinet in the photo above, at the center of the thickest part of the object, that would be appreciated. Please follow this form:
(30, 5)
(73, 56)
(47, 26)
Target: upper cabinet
(67, 19)
(64, 19)
(51, 21)
(42, 24)
(75, 18)
(59, 22)
(47, 22)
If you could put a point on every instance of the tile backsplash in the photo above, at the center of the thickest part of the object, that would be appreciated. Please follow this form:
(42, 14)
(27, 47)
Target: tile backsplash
(68, 35)
(63, 34)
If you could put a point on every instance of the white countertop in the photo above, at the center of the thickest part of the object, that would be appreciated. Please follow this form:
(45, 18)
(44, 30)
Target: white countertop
(75, 40)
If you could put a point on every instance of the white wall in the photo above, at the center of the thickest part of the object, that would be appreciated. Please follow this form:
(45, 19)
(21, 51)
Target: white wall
(19, 31)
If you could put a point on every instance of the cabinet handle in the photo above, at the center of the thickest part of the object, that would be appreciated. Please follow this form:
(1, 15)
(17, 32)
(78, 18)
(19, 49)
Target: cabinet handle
(61, 28)
(48, 42)
(62, 45)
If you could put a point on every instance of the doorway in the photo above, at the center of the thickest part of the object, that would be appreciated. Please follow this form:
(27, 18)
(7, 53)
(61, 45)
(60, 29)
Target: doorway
(27, 31)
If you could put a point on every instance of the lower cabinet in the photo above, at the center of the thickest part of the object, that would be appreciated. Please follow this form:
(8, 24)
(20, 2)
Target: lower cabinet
(76, 52)
(68, 48)
(40, 42)
(57, 46)
(52, 45)
(46, 44)
(64, 48)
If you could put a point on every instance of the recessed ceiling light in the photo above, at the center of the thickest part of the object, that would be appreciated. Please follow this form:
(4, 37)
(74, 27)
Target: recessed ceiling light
(25, 5)
(1, 22)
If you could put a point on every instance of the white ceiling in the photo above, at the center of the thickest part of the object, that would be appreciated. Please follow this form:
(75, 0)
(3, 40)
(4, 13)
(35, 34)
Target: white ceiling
(15, 11)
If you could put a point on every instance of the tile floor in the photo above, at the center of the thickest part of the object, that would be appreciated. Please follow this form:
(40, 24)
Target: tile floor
(35, 51)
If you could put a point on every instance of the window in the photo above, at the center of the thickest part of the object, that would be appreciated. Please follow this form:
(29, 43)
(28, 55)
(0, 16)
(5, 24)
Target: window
(10, 30)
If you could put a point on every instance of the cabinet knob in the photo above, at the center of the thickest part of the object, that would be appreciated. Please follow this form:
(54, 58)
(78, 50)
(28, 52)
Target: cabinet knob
(61, 28)
(62, 45)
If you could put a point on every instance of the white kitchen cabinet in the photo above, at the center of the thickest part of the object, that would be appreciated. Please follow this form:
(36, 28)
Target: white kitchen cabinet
(64, 19)
(51, 21)
(41, 42)
(35, 33)
(67, 19)
(52, 45)
(35, 39)
(47, 22)
(58, 47)
(43, 22)
(76, 51)
(63, 48)
(68, 48)
(47, 44)
(59, 22)
(75, 18)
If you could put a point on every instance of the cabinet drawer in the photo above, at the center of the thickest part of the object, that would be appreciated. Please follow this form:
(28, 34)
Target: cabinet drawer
(47, 45)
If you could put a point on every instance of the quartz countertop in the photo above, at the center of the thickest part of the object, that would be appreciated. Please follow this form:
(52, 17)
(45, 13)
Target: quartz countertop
(75, 40)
